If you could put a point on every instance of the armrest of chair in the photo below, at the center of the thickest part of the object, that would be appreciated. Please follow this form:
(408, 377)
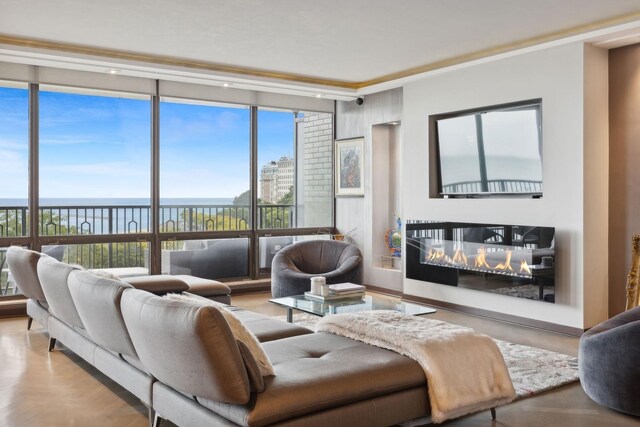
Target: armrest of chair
(281, 262)
(348, 265)
(608, 366)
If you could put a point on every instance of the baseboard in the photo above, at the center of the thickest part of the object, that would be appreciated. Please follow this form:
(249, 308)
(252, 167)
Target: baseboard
(13, 308)
(249, 286)
(386, 291)
(508, 318)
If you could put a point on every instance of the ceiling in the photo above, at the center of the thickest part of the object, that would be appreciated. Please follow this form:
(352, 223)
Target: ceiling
(332, 43)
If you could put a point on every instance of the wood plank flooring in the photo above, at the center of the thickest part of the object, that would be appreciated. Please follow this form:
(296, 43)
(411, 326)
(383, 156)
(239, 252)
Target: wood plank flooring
(38, 388)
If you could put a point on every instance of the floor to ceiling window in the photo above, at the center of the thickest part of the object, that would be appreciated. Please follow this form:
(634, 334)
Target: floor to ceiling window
(205, 181)
(148, 184)
(95, 151)
(14, 172)
(295, 181)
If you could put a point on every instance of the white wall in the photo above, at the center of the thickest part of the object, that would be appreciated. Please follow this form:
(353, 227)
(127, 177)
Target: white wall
(557, 76)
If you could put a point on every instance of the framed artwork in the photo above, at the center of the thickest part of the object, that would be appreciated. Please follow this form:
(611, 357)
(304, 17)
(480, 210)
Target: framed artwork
(350, 167)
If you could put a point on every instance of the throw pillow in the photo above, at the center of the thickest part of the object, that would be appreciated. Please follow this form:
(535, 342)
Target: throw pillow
(239, 330)
(105, 274)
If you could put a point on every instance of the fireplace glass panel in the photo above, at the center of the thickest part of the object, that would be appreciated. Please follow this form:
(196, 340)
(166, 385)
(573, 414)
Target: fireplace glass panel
(512, 260)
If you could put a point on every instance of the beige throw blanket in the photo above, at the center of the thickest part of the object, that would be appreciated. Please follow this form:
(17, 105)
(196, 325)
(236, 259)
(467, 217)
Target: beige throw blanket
(465, 370)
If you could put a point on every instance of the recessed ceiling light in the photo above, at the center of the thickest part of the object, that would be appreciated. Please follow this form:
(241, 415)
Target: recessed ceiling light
(394, 123)
(319, 95)
(226, 84)
(113, 71)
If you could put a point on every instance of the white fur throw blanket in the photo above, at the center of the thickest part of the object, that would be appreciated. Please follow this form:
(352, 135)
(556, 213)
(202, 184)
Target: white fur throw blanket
(465, 370)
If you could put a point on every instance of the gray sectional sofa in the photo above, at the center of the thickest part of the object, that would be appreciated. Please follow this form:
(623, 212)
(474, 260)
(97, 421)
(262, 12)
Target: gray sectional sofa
(183, 362)
(23, 264)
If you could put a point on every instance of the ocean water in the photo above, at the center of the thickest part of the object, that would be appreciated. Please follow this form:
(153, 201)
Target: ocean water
(118, 201)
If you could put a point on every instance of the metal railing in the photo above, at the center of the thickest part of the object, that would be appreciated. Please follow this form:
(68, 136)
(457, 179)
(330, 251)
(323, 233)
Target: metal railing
(132, 219)
(102, 220)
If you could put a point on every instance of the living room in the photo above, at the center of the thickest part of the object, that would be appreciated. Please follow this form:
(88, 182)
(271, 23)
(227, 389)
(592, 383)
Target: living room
(582, 71)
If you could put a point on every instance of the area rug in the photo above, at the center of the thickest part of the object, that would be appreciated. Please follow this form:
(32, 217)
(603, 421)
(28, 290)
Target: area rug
(532, 370)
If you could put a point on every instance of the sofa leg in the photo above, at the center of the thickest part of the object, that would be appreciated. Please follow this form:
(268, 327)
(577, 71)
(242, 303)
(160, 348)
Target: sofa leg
(52, 343)
(156, 420)
(29, 322)
(151, 414)
(493, 414)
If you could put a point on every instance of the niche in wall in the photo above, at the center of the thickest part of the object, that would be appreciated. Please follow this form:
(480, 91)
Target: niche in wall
(385, 190)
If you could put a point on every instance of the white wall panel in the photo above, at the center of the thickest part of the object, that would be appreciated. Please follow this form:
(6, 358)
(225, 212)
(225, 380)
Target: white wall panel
(557, 76)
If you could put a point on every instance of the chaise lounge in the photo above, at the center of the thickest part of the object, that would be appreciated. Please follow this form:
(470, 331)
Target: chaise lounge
(320, 378)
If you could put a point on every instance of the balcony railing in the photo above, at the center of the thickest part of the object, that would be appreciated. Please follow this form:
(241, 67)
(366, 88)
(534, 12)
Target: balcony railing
(131, 219)
(101, 220)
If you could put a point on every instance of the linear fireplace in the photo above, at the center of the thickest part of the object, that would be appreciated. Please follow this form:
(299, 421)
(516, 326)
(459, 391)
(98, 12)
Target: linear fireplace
(513, 260)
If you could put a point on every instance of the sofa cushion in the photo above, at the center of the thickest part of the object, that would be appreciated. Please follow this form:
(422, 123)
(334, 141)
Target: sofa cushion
(53, 277)
(188, 347)
(204, 287)
(157, 284)
(98, 302)
(239, 330)
(321, 371)
(267, 328)
(23, 265)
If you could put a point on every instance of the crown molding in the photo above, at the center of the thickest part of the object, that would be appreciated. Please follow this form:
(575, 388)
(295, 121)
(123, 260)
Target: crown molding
(168, 61)
(585, 30)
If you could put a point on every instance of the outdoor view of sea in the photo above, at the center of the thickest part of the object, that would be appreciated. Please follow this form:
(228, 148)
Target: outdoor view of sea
(5, 202)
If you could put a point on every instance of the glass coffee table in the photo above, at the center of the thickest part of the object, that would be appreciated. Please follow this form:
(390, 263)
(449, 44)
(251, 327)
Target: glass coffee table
(364, 303)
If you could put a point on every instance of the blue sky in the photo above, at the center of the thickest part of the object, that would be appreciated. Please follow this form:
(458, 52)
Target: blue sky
(96, 146)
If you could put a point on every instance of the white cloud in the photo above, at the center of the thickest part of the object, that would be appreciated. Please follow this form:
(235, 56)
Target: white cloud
(113, 169)
(13, 145)
(13, 174)
(65, 140)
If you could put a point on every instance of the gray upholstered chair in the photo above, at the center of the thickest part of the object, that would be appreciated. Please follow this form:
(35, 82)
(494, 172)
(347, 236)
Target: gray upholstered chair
(293, 267)
(608, 364)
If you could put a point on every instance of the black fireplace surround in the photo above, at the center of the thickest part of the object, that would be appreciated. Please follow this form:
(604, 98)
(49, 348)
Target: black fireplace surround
(512, 260)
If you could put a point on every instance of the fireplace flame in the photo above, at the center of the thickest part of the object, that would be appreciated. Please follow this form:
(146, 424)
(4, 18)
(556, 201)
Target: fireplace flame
(481, 259)
(459, 258)
(438, 256)
(506, 265)
(524, 267)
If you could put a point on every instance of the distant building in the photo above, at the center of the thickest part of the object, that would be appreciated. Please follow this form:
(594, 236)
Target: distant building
(276, 178)
(285, 176)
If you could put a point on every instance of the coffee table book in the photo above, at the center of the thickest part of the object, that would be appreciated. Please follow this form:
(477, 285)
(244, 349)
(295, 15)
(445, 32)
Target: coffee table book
(334, 297)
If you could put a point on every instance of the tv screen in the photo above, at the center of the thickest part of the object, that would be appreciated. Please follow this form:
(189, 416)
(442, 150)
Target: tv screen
(490, 150)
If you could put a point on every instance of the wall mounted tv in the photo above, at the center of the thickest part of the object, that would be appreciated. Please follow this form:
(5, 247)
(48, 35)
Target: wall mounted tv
(489, 151)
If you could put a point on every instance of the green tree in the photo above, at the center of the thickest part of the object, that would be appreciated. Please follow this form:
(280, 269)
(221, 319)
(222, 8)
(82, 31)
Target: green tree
(287, 199)
(243, 199)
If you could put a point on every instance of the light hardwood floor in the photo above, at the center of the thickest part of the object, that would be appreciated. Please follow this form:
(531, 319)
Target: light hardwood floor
(38, 388)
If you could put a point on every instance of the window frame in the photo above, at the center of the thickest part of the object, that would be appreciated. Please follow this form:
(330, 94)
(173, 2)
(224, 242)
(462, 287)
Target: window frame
(34, 240)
